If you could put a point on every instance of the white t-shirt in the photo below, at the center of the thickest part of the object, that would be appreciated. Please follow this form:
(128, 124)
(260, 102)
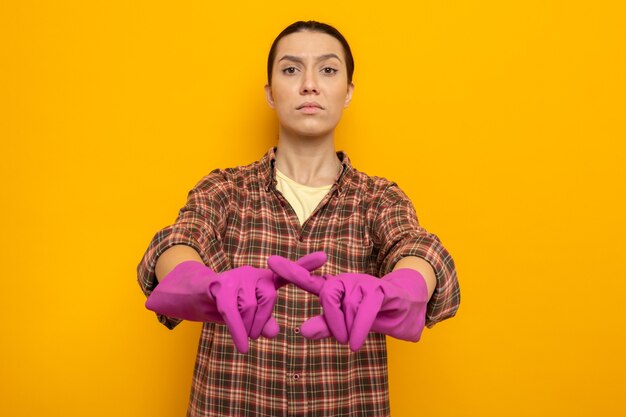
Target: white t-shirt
(303, 199)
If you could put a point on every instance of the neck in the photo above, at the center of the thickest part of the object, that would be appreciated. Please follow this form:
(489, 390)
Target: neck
(309, 161)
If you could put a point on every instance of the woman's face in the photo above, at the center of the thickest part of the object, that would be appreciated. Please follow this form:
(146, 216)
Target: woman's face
(309, 84)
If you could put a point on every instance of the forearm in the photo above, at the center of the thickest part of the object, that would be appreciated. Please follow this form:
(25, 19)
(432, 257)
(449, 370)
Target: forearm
(172, 257)
(421, 266)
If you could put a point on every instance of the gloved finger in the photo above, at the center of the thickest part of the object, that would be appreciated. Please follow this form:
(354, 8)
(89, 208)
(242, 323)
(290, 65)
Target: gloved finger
(366, 313)
(271, 329)
(315, 328)
(247, 304)
(330, 299)
(350, 304)
(226, 303)
(296, 274)
(312, 261)
(265, 301)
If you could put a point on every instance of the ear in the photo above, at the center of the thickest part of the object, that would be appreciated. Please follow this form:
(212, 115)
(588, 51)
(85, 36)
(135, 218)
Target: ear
(268, 95)
(349, 95)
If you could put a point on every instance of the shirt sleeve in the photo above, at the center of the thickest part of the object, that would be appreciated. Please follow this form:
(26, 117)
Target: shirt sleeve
(399, 234)
(200, 224)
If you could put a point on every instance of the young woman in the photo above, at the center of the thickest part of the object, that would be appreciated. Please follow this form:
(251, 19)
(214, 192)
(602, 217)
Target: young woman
(362, 266)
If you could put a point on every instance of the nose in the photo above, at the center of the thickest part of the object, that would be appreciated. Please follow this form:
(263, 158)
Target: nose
(309, 83)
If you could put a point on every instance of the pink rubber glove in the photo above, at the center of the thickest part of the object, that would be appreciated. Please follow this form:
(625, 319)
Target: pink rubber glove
(355, 304)
(242, 298)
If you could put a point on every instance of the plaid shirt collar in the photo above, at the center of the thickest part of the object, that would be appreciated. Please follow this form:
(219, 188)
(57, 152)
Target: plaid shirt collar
(268, 170)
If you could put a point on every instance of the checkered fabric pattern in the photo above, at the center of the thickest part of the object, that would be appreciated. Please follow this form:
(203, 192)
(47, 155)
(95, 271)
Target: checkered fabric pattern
(365, 224)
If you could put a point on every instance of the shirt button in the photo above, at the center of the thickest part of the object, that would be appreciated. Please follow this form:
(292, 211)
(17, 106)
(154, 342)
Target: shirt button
(296, 330)
(296, 376)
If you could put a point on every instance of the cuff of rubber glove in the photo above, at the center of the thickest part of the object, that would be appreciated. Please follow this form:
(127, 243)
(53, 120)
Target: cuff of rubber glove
(410, 280)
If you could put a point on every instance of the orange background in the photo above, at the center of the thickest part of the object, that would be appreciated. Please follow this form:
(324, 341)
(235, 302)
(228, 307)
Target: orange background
(503, 121)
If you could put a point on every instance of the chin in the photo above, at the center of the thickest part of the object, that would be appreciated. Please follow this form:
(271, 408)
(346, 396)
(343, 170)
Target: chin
(309, 131)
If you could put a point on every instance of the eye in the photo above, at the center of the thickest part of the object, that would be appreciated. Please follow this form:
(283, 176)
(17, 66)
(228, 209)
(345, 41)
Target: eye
(289, 70)
(329, 71)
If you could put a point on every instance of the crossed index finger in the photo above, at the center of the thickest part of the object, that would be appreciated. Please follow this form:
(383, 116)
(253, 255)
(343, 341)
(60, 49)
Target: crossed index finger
(296, 274)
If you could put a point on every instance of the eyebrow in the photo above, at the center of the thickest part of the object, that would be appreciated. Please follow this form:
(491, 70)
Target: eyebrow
(300, 60)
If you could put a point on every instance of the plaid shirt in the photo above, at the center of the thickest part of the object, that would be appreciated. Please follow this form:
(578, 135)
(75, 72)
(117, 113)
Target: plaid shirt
(236, 217)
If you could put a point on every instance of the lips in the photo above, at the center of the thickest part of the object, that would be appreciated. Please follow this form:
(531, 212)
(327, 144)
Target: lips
(309, 105)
